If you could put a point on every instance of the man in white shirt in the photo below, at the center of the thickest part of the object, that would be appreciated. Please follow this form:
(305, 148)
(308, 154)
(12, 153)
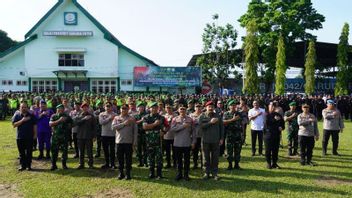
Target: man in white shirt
(257, 117)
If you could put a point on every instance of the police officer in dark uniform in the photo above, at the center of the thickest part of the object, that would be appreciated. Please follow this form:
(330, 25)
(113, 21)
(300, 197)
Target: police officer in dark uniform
(274, 126)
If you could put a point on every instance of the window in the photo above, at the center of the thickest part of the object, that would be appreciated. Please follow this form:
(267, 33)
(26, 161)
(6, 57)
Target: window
(103, 86)
(126, 82)
(71, 60)
(18, 83)
(24, 83)
(4, 82)
(10, 82)
(43, 85)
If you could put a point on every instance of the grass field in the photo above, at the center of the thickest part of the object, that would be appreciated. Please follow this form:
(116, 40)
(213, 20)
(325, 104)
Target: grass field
(331, 178)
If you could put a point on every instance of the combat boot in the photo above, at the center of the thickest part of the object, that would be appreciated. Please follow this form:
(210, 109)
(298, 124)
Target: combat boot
(151, 173)
(230, 166)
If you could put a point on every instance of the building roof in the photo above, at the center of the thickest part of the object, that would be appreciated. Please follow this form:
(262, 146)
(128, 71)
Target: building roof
(326, 55)
(107, 35)
(18, 46)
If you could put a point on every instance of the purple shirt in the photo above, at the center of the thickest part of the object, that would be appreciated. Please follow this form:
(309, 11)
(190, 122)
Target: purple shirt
(43, 121)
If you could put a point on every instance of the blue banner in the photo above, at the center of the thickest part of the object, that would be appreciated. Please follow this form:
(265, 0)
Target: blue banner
(167, 76)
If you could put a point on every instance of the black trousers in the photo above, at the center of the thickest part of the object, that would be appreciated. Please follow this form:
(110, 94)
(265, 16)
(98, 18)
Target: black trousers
(82, 145)
(168, 147)
(75, 143)
(272, 149)
(124, 154)
(306, 144)
(335, 140)
(109, 149)
(25, 149)
(183, 155)
(256, 134)
(98, 143)
(196, 151)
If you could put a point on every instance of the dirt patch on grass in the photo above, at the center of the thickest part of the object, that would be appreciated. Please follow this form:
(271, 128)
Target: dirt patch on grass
(332, 181)
(8, 191)
(118, 193)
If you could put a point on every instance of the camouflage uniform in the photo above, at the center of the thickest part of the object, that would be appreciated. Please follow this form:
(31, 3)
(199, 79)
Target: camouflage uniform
(292, 133)
(60, 138)
(233, 138)
(141, 142)
(153, 142)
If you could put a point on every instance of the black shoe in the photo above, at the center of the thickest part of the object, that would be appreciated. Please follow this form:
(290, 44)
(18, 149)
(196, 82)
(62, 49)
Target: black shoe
(29, 169)
(253, 154)
(186, 177)
(53, 167)
(230, 166)
(311, 164)
(276, 166)
(64, 166)
(336, 154)
(80, 167)
(178, 177)
(40, 157)
(76, 156)
(237, 167)
(97, 155)
(21, 168)
(303, 163)
(121, 176)
(268, 166)
(105, 166)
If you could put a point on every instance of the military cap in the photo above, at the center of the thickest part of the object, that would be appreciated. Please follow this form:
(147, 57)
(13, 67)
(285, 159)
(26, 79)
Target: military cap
(330, 102)
(292, 104)
(152, 104)
(232, 102)
(140, 104)
(209, 103)
(84, 104)
(59, 106)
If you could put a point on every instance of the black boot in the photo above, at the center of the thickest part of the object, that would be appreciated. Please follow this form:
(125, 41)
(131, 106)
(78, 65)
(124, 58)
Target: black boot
(289, 152)
(47, 154)
(53, 165)
(237, 166)
(121, 175)
(179, 175)
(230, 166)
(41, 155)
(186, 176)
(128, 175)
(64, 166)
(151, 173)
(140, 164)
(159, 173)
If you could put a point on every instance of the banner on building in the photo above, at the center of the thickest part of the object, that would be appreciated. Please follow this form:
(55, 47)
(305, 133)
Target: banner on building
(167, 76)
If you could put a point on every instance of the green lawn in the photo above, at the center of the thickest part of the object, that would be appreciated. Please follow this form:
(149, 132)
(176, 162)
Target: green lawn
(331, 178)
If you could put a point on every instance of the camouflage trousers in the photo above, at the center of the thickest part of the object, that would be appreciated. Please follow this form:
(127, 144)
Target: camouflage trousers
(234, 148)
(292, 137)
(141, 148)
(154, 152)
(59, 144)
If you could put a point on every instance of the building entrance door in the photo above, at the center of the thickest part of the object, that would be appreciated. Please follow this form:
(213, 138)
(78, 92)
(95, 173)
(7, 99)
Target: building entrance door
(75, 86)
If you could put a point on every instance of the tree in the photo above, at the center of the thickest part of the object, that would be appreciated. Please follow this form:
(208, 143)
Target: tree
(251, 50)
(289, 19)
(310, 69)
(342, 78)
(218, 61)
(280, 77)
(5, 41)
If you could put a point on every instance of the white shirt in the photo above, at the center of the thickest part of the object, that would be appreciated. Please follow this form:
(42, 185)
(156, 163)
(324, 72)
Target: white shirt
(258, 123)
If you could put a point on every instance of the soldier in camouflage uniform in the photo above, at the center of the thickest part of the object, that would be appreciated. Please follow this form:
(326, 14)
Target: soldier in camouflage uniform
(153, 124)
(292, 132)
(61, 124)
(233, 127)
(142, 148)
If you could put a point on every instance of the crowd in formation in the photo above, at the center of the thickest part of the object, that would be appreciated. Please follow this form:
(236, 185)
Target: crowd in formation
(170, 128)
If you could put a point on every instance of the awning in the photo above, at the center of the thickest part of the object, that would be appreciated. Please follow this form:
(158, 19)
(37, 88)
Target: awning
(71, 73)
(82, 50)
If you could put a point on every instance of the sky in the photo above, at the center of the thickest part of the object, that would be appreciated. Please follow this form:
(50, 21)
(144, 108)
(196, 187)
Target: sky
(165, 31)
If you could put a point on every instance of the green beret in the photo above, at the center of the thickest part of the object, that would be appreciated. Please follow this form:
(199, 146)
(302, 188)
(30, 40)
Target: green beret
(232, 102)
(60, 106)
(152, 104)
(140, 104)
(191, 101)
(292, 104)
